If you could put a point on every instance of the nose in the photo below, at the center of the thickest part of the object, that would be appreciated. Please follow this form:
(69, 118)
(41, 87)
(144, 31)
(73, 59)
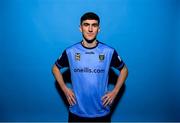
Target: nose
(90, 28)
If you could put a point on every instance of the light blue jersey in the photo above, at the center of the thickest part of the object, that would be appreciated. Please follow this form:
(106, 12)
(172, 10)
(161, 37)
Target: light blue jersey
(89, 69)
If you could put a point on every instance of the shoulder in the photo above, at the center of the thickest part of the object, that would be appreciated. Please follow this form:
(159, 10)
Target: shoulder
(74, 46)
(105, 46)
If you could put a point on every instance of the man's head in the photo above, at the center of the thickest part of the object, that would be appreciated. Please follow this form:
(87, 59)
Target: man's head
(89, 26)
(90, 16)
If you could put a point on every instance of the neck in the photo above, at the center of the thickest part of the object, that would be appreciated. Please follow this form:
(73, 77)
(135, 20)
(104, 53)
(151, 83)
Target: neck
(89, 45)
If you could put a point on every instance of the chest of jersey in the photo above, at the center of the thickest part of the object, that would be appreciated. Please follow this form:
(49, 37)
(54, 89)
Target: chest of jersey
(89, 60)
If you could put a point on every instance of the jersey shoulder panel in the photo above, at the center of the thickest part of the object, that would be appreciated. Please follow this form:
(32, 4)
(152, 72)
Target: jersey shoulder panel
(74, 46)
(105, 47)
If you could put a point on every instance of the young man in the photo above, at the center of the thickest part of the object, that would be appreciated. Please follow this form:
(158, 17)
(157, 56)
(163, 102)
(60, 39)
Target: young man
(89, 62)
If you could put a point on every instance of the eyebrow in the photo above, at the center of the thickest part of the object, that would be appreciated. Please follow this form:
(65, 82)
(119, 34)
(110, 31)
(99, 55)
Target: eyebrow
(94, 24)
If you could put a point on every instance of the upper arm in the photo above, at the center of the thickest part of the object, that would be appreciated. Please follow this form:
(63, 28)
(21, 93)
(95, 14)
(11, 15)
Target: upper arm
(116, 61)
(62, 61)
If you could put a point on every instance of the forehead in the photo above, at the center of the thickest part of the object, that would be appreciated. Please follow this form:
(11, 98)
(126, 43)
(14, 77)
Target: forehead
(90, 21)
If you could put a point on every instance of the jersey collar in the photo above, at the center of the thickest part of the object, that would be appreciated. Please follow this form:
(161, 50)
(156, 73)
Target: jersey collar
(90, 47)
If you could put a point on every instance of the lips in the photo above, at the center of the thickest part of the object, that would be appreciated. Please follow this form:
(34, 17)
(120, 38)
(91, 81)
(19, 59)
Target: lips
(91, 34)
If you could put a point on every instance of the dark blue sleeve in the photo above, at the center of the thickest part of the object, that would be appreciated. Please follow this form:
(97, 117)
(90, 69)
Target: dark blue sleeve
(116, 61)
(62, 61)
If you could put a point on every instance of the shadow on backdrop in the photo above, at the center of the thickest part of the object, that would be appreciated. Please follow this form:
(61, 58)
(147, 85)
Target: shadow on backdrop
(112, 81)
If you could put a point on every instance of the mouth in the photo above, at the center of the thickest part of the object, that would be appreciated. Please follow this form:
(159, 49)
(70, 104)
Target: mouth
(90, 34)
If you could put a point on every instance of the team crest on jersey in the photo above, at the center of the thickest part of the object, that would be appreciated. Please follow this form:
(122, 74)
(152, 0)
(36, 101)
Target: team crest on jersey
(101, 57)
(77, 56)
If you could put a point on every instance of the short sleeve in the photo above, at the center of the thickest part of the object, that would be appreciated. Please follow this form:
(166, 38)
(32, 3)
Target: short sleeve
(62, 61)
(116, 61)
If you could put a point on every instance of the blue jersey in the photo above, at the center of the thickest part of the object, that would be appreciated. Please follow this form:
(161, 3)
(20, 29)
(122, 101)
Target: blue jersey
(89, 69)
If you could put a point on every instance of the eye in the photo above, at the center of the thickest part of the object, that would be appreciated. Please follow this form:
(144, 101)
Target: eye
(95, 25)
(85, 24)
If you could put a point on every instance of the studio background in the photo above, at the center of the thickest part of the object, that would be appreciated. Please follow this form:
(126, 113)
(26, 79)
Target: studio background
(33, 34)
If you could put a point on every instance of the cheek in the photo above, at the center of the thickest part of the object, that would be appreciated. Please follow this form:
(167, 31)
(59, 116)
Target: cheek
(83, 30)
(96, 31)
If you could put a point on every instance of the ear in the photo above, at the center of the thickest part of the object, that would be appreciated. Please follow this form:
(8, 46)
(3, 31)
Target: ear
(99, 29)
(80, 28)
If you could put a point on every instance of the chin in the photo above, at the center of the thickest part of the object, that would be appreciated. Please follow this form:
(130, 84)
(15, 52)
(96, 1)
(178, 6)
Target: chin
(89, 39)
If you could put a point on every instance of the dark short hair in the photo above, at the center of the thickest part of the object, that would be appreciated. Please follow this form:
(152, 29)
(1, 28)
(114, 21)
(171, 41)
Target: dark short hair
(90, 16)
